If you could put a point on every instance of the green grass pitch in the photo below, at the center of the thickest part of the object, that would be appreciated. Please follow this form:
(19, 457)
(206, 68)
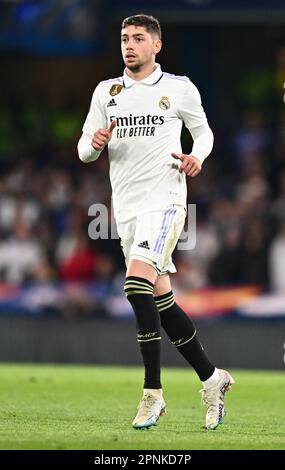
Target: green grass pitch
(82, 407)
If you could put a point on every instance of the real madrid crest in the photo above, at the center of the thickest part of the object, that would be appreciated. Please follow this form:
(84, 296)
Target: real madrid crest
(164, 103)
(115, 89)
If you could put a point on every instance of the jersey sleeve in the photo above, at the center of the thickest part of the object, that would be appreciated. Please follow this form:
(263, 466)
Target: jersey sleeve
(191, 110)
(96, 117)
(95, 120)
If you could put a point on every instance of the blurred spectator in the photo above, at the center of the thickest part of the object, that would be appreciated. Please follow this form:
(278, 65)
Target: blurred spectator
(22, 257)
(80, 263)
(252, 192)
(199, 259)
(226, 267)
(105, 268)
(59, 189)
(189, 275)
(225, 214)
(252, 138)
(12, 204)
(253, 253)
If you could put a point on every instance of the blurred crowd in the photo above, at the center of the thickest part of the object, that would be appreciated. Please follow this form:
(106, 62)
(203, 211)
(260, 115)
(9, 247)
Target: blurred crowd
(241, 211)
(44, 223)
(44, 203)
(46, 192)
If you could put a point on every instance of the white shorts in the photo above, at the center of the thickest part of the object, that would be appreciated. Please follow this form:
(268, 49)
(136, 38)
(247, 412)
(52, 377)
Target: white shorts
(152, 236)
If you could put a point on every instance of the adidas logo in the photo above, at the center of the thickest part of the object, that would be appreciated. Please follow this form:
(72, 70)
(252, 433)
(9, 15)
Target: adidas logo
(144, 245)
(111, 103)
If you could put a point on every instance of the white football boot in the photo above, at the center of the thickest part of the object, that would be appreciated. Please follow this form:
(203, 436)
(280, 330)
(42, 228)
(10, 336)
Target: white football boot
(214, 397)
(151, 407)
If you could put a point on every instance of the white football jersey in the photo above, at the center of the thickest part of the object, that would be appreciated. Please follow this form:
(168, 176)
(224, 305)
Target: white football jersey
(149, 115)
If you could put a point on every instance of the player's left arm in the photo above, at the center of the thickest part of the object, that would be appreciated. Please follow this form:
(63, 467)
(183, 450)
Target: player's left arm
(192, 113)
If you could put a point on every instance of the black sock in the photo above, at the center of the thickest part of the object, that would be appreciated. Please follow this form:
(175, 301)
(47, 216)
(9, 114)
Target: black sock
(139, 292)
(182, 334)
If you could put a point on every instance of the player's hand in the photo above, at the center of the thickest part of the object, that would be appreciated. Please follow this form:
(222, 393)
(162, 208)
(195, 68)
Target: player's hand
(190, 165)
(102, 136)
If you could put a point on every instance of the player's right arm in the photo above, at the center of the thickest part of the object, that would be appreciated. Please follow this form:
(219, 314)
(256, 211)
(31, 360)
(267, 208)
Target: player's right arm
(96, 133)
(102, 137)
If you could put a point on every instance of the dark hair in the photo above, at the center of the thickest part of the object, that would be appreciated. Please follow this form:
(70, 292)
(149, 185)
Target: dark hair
(148, 22)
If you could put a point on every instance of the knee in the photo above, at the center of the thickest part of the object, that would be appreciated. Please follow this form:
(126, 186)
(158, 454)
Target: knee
(135, 286)
(164, 302)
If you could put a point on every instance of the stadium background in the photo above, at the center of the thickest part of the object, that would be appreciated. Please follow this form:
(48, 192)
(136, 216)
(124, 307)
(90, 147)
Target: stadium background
(61, 296)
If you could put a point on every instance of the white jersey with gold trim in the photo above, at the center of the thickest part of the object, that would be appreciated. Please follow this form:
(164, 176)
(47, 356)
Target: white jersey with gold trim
(149, 115)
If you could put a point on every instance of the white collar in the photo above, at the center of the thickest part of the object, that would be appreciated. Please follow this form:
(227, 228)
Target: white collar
(149, 80)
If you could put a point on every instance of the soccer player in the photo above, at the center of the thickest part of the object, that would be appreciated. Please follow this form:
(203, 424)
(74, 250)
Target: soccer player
(139, 116)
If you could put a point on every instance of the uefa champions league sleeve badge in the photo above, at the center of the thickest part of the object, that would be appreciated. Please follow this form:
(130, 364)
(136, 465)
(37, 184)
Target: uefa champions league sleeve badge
(115, 89)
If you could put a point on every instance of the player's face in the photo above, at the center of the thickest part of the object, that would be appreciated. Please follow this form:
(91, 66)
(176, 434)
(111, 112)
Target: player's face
(138, 47)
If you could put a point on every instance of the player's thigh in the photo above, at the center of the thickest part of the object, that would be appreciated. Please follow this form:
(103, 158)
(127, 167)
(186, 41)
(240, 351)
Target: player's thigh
(142, 269)
(135, 267)
(162, 285)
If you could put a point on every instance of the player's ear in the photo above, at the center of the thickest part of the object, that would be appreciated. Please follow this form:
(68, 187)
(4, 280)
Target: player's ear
(157, 46)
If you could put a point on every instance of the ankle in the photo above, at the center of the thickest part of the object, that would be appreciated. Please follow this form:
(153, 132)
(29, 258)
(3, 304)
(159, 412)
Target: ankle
(156, 392)
(212, 380)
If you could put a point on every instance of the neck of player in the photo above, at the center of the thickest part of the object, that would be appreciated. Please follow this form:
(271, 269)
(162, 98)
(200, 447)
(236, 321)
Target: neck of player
(142, 73)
